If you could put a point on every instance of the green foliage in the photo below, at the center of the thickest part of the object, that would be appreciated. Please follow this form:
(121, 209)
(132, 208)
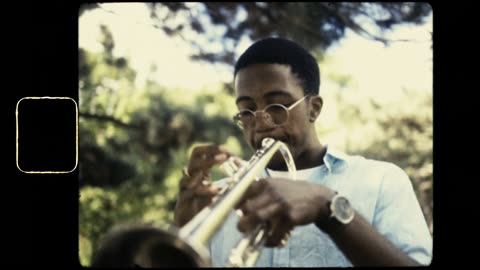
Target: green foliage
(135, 141)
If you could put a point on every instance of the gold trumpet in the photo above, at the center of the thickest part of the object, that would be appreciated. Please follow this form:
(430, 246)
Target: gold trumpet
(146, 246)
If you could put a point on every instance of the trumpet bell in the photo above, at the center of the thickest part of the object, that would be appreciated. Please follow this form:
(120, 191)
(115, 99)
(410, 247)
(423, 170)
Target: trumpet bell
(146, 247)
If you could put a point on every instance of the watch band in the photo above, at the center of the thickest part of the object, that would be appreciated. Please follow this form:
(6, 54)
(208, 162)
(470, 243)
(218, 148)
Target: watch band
(326, 224)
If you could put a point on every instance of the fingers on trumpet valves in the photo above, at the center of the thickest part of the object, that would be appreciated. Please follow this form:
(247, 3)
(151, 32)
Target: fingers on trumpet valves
(204, 157)
(239, 162)
(228, 167)
(206, 191)
(232, 165)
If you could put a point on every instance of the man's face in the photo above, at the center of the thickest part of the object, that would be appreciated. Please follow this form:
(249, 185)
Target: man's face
(260, 85)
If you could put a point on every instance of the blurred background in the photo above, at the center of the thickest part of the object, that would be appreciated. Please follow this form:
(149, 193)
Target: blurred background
(155, 80)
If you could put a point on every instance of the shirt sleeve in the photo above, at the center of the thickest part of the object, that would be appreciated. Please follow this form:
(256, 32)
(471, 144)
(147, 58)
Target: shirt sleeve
(399, 218)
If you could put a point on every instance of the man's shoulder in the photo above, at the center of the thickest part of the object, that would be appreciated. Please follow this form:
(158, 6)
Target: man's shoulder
(363, 161)
(388, 173)
(384, 169)
(355, 159)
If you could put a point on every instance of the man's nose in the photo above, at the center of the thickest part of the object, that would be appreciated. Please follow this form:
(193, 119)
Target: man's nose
(262, 121)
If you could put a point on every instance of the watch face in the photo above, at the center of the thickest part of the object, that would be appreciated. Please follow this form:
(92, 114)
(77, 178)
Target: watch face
(342, 209)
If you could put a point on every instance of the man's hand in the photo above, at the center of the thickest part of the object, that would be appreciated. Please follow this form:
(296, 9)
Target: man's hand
(282, 204)
(196, 190)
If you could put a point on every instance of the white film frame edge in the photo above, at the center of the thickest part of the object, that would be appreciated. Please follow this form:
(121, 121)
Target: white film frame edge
(76, 136)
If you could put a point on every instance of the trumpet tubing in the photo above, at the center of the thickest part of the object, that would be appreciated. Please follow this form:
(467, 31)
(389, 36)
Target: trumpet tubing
(192, 239)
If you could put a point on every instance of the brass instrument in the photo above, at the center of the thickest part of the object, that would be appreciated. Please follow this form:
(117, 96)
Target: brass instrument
(146, 246)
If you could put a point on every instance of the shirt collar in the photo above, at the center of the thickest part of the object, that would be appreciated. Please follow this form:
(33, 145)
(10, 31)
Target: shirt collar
(335, 160)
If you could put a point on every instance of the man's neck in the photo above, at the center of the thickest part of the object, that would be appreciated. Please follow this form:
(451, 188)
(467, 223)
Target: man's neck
(312, 156)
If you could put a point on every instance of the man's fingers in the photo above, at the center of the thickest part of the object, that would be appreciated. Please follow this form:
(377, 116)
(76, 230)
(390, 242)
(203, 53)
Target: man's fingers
(256, 188)
(200, 203)
(279, 233)
(210, 152)
(253, 216)
(207, 163)
(194, 180)
(206, 190)
(239, 162)
(203, 158)
(197, 186)
(270, 210)
(248, 223)
(186, 194)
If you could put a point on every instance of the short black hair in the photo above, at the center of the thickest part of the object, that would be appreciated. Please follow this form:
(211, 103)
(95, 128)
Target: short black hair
(283, 51)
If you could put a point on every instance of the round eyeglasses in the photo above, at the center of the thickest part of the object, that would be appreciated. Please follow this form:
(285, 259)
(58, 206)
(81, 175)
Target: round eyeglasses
(273, 115)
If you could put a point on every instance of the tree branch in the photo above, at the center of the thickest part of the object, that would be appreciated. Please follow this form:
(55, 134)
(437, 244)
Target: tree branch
(107, 118)
(357, 28)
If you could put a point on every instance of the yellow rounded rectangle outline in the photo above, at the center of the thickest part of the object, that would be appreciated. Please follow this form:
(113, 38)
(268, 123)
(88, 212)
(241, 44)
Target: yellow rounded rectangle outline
(76, 134)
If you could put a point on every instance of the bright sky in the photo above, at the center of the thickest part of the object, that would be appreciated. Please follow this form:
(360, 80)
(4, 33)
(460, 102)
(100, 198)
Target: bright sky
(380, 71)
(384, 71)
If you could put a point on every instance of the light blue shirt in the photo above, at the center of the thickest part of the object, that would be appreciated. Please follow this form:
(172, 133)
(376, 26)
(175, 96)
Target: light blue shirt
(379, 191)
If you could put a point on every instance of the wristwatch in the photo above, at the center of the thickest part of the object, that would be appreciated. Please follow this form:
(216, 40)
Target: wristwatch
(341, 210)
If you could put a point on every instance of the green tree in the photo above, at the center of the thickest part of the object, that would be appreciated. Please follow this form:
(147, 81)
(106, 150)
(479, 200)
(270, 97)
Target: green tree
(134, 142)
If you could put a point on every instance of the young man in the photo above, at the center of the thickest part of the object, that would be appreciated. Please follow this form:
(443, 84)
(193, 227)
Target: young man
(341, 211)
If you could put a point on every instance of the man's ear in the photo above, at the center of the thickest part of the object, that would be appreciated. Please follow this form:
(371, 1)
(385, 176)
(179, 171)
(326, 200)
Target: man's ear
(316, 104)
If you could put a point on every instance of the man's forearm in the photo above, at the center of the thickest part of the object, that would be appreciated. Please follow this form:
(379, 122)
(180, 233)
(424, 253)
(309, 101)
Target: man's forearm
(364, 246)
